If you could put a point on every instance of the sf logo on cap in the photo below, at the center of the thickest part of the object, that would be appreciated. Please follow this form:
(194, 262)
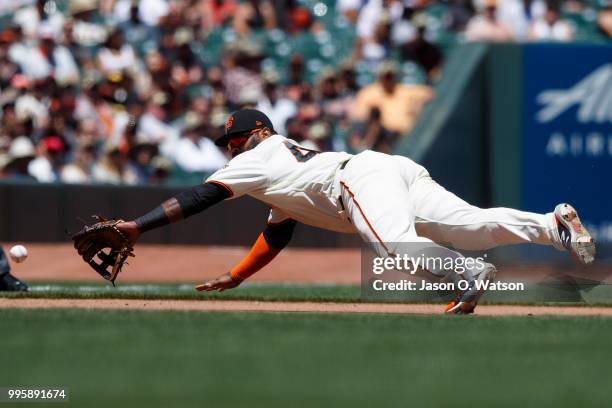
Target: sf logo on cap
(229, 123)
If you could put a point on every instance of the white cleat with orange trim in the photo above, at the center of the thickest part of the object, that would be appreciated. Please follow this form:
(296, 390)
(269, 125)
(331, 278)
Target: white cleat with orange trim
(573, 235)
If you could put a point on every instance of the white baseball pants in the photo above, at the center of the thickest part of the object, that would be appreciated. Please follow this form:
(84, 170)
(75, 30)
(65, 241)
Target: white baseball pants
(392, 199)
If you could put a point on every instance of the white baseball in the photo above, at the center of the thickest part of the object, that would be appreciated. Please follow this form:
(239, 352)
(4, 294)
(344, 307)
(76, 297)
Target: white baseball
(18, 253)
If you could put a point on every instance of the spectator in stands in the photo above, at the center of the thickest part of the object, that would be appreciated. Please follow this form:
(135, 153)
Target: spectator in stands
(55, 60)
(349, 9)
(347, 79)
(249, 97)
(160, 170)
(154, 77)
(253, 14)
(318, 137)
(374, 27)
(37, 17)
(8, 121)
(518, 14)
(275, 105)
(551, 27)
(371, 14)
(216, 12)
(79, 169)
(87, 132)
(114, 168)
(150, 12)
(486, 27)
(86, 24)
(242, 66)
(20, 154)
(308, 112)
(334, 105)
(372, 135)
(141, 155)
(9, 71)
(399, 104)
(153, 125)
(134, 29)
(298, 18)
(422, 51)
(47, 166)
(295, 72)
(403, 30)
(216, 125)
(21, 51)
(116, 55)
(194, 151)
(604, 19)
(378, 47)
(29, 105)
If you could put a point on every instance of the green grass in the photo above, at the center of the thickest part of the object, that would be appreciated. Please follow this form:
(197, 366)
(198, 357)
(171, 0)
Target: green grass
(163, 359)
(247, 291)
(600, 295)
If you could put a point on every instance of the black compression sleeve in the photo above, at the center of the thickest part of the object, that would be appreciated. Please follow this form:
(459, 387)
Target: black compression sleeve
(279, 235)
(153, 219)
(191, 201)
(201, 197)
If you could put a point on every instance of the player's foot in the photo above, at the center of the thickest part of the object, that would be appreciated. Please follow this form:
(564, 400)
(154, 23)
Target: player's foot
(9, 283)
(573, 235)
(466, 300)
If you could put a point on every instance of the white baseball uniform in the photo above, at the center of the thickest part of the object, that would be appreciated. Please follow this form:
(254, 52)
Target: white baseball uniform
(386, 199)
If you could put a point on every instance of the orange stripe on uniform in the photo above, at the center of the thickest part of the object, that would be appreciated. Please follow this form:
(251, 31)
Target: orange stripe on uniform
(364, 216)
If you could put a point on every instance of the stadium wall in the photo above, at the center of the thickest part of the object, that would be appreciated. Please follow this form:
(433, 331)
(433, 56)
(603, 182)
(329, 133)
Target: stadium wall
(53, 209)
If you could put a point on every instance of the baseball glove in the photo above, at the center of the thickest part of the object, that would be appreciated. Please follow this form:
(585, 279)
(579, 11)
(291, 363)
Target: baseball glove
(93, 240)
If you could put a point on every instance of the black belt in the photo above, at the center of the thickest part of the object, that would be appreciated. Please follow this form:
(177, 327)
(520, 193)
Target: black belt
(344, 163)
(342, 166)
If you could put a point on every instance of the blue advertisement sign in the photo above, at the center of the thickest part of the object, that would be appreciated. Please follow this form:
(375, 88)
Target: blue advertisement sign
(567, 132)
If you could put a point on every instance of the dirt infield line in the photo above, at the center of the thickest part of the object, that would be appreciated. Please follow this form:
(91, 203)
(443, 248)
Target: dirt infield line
(303, 307)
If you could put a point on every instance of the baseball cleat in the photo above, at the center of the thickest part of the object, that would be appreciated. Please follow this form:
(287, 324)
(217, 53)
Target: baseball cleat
(9, 283)
(467, 299)
(573, 235)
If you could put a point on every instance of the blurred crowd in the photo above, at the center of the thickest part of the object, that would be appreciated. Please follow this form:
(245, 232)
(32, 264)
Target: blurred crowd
(135, 91)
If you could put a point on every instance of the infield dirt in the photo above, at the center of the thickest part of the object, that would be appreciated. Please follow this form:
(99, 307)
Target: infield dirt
(193, 264)
(293, 307)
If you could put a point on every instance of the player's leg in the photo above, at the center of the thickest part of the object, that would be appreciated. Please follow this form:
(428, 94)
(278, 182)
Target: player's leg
(378, 202)
(446, 218)
(7, 281)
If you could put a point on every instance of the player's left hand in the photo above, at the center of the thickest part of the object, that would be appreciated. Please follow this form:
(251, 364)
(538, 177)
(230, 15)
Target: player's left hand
(220, 283)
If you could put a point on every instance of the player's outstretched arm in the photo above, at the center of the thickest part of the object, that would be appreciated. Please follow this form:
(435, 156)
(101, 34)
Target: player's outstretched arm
(183, 205)
(269, 244)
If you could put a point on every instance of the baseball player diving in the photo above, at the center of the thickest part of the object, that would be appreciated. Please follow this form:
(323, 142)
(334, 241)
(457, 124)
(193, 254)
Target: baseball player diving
(385, 199)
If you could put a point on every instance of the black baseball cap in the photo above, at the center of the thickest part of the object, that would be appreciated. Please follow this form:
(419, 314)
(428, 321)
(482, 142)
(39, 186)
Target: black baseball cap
(242, 121)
